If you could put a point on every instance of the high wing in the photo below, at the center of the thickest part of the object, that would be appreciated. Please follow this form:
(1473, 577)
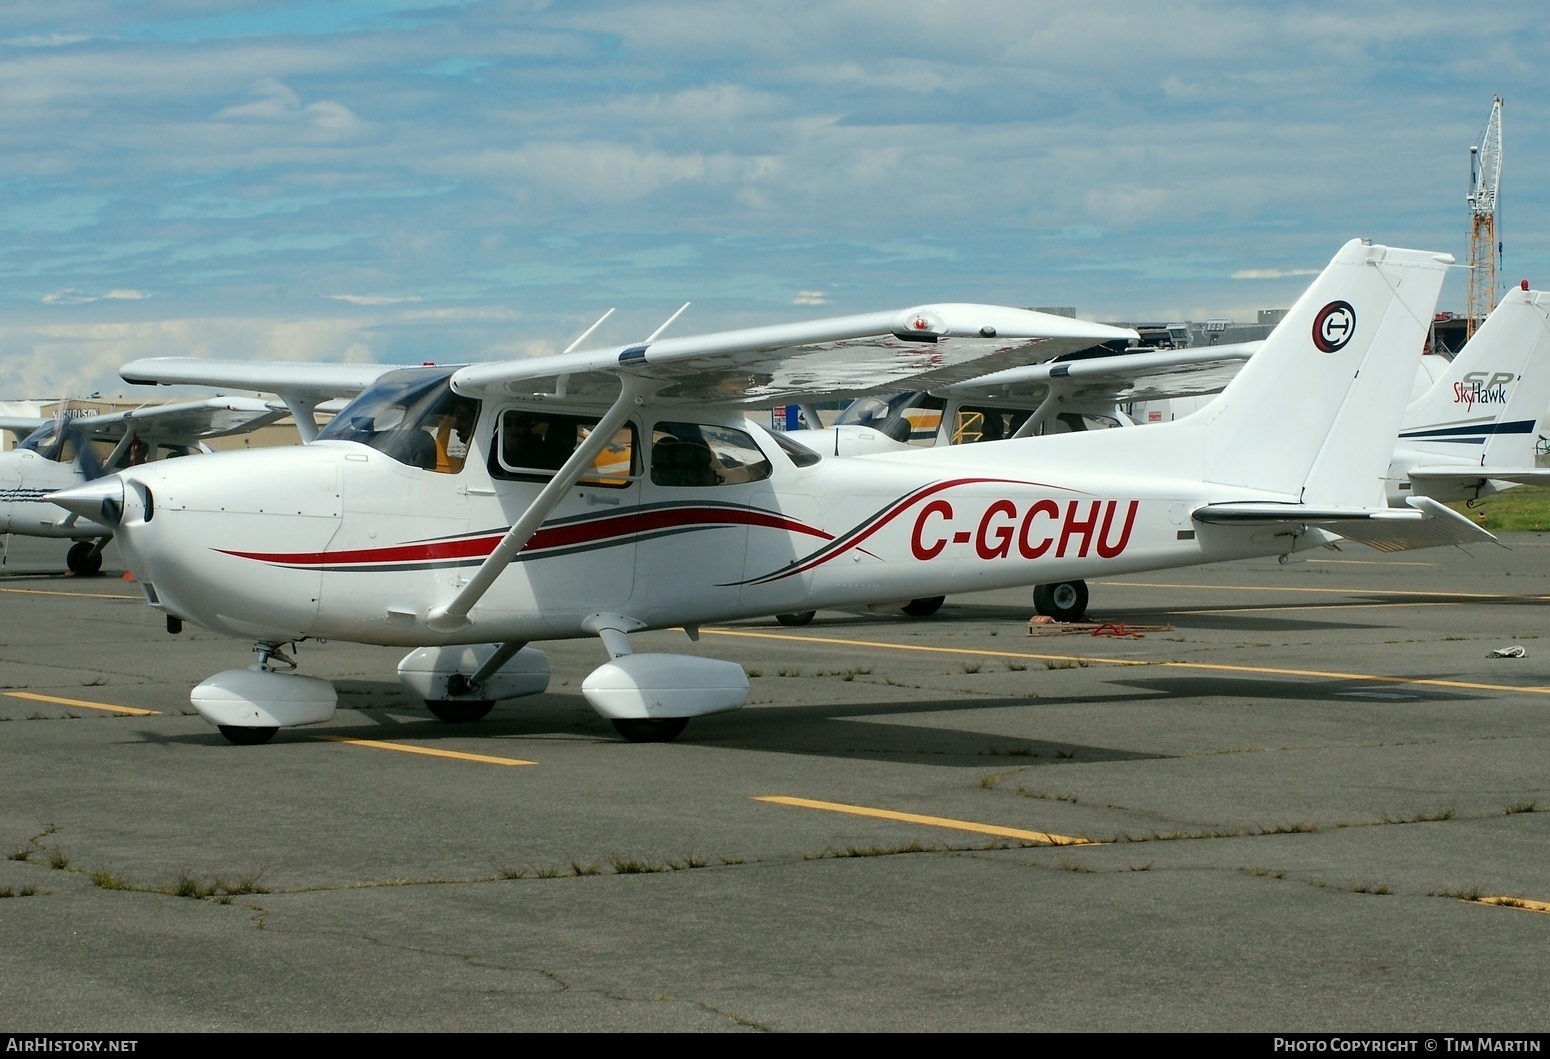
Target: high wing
(320, 381)
(1116, 379)
(302, 388)
(925, 347)
(184, 422)
(20, 426)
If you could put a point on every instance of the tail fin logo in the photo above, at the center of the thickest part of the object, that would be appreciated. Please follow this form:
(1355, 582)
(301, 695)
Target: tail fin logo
(1478, 387)
(1334, 326)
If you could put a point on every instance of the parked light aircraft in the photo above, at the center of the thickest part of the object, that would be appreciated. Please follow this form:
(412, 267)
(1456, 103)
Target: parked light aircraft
(622, 489)
(1470, 431)
(61, 451)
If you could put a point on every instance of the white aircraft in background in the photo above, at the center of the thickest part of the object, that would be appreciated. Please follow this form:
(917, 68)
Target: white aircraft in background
(616, 490)
(1470, 430)
(62, 451)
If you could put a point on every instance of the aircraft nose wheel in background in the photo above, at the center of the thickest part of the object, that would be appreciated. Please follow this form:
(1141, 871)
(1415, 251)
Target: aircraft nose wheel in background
(460, 711)
(801, 617)
(651, 730)
(924, 608)
(1063, 601)
(84, 559)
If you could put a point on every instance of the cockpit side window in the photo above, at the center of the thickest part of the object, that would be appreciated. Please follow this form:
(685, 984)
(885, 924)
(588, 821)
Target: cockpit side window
(530, 446)
(412, 416)
(702, 454)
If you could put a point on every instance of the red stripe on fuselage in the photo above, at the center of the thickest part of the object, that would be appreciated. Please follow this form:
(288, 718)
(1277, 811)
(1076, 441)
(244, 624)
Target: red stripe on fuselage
(590, 531)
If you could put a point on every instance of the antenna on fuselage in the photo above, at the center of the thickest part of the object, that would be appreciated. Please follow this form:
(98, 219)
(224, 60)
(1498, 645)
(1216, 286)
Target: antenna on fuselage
(583, 336)
(668, 322)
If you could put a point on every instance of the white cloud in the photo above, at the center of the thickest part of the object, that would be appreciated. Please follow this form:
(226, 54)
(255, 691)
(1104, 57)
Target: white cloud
(52, 40)
(374, 299)
(810, 297)
(1273, 273)
(277, 103)
(126, 295)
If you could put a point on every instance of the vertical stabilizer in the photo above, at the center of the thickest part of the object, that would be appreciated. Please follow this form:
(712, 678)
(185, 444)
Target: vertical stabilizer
(1486, 408)
(1314, 413)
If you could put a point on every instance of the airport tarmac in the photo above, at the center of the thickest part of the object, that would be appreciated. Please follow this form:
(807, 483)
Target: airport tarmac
(1306, 799)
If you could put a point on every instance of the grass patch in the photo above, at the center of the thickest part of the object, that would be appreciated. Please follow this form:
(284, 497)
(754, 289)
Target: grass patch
(1522, 510)
(103, 879)
(25, 891)
(630, 866)
(865, 851)
(1521, 807)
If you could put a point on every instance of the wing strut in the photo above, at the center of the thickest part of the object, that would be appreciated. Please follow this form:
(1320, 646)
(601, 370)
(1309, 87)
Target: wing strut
(1042, 414)
(454, 615)
(303, 412)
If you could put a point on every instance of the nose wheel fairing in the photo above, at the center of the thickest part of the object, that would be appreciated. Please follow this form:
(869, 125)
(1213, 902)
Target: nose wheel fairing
(257, 698)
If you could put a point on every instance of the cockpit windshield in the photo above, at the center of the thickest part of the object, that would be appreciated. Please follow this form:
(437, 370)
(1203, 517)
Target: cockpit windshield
(413, 417)
(45, 441)
(912, 417)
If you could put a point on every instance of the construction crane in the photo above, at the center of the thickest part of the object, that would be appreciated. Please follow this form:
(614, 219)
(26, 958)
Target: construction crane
(1485, 177)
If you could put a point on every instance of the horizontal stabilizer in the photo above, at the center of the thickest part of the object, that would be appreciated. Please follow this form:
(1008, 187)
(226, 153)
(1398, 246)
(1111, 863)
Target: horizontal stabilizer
(1466, 473)
(1428, 524)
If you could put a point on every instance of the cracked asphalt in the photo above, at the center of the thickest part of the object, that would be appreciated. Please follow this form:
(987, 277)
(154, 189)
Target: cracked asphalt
(1285, 807)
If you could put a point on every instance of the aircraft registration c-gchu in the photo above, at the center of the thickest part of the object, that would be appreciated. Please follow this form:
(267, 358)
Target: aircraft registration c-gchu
(467, 512)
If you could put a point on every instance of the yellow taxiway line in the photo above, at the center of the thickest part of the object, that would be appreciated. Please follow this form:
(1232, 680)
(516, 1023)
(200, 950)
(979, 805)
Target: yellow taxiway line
(403, 748)
(56, 592)
(1043, 837)
(1329, 591)
(836, 641)
(1515, 902)
(1317, 674)
(131, 711)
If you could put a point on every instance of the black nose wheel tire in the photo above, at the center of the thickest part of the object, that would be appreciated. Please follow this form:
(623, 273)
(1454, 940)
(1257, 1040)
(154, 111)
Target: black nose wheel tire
(924, 608)
(247, 736)
(798, 619)
(460, 711)
(1063, 600)
(651, 730)
(81, 560)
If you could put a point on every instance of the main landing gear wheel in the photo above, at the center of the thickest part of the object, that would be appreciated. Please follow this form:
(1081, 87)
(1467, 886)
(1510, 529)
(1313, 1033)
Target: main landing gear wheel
(801, 617)
(81, 560)
(924, 608)
(1063, 601)
(651, 730)
(247, 736)
(460, 711)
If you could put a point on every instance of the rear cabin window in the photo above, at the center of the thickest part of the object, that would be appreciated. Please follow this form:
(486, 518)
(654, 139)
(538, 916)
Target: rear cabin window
(974, 423)
(699, 455)
(532, 446)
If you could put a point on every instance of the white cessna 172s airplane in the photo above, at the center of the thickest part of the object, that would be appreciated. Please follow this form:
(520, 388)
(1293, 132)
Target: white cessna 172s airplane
(63, 451)
(616, 490)
(1472, 429)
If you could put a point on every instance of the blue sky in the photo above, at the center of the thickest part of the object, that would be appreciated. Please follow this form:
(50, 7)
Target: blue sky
(406, 181)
